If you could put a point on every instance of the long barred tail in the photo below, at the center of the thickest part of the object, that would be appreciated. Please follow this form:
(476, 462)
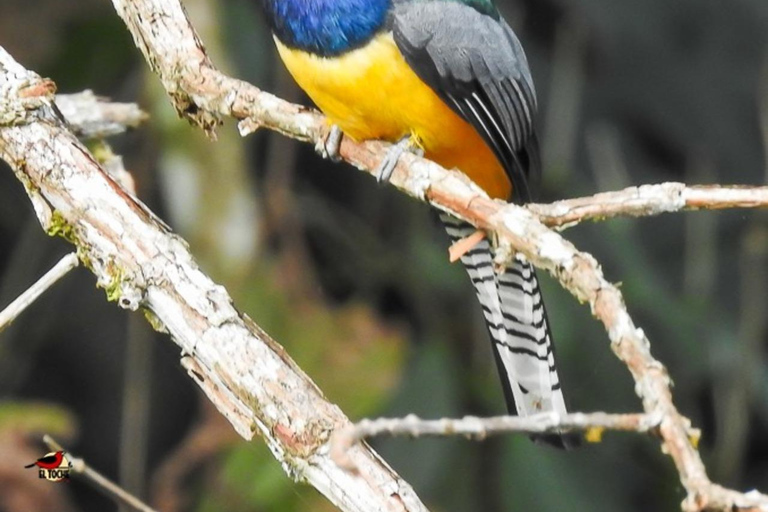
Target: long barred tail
(517, 322)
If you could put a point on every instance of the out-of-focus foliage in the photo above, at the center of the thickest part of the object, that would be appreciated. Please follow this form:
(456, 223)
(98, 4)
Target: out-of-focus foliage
(36, 417)
(353, 278)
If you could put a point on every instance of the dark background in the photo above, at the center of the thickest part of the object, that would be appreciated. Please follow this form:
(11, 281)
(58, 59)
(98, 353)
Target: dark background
(354, 280)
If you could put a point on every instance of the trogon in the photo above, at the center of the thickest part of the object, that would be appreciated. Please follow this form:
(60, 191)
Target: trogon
(449, 77)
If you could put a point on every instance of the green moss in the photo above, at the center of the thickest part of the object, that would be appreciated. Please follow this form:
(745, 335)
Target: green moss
(100, 150)
(60, 227)
(153, 320)
(84, 257)
(114, 289)
(24, 178)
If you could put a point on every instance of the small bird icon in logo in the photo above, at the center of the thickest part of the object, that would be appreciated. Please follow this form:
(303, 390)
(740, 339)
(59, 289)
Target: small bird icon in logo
(50, 461)
(54, 466)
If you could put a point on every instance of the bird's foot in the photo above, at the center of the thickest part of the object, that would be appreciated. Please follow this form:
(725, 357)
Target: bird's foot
(388, 164)
(328, 146)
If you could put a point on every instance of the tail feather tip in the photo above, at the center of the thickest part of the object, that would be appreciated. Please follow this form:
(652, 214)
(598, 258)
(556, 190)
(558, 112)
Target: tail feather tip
(565, 441)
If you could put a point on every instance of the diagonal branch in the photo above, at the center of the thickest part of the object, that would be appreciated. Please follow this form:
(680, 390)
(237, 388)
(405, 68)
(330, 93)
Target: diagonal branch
(90, 117)
(98, 481)
(141, 265)
(31, 294)
(202, 94)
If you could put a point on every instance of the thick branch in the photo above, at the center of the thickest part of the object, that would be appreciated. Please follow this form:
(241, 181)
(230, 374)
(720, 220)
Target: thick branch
(202, 94)
(89, 117)
(248, 375)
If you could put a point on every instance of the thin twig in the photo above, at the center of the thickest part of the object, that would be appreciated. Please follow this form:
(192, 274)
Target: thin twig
(473, 427)
(649, 200)
(23, 301)
(202, 94)
(460, 247)
(94, 117)
(97, 480)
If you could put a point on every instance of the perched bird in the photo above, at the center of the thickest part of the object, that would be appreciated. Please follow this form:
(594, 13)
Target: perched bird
(448, 77)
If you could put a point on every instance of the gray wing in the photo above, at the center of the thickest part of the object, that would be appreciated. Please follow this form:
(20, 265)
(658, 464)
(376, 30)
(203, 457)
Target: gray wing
(476, 64)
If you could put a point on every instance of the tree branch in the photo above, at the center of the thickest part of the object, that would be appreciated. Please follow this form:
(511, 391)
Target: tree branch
(649, 200)
(141, 265)
(479, 428)
(157, 272)
(89, 117)
(202, 94)
(92, 117)
(97, 480)
(31, 294)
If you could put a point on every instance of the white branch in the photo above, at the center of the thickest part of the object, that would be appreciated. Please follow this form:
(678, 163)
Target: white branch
(238, 369)
(93, 117)
(202, 94)
(143, 266)
(23, 301)
(649, 200)
(89, 117)
(473, 427)
(103, 484)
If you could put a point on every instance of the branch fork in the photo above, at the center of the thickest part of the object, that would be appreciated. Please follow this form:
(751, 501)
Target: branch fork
(243, 371)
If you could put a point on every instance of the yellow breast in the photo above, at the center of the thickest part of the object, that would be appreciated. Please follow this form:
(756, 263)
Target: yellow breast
(372, 93)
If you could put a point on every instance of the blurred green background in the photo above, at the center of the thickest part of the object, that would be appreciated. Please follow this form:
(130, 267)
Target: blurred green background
(353, 279)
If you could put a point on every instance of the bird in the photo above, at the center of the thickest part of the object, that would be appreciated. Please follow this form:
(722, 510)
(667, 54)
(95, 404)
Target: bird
(50, 461)
(448, 79)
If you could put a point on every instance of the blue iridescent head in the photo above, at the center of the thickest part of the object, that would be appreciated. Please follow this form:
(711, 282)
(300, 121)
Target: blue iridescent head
(326, 27)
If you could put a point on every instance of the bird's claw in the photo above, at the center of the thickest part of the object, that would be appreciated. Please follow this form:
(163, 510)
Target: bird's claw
(388, 164)
(328, 146)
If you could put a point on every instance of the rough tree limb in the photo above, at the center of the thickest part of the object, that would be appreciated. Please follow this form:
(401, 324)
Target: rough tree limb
(143, 266)
(479, 428)
(649, 200)
(203, 95)
(93, 117)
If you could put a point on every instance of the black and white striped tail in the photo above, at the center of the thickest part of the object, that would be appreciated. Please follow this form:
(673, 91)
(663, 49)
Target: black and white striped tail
(517, 323)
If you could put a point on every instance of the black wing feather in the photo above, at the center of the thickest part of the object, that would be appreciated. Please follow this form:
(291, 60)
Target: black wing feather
(476, 65)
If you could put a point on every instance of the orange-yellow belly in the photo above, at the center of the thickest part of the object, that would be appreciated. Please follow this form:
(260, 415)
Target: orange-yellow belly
(372, 93)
